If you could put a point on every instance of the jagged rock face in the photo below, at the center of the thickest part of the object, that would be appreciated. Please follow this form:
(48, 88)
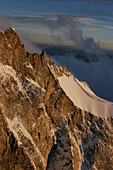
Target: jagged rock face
(40, 127)
(11, 156)
(12, 50)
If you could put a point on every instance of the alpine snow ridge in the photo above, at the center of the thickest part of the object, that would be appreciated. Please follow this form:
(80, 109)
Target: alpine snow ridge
(49, 120)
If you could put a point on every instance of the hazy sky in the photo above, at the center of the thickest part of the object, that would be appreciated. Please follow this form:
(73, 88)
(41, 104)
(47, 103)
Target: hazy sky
(38, 20)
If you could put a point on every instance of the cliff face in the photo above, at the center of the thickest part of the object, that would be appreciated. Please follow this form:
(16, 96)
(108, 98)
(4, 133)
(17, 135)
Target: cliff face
(40, 127)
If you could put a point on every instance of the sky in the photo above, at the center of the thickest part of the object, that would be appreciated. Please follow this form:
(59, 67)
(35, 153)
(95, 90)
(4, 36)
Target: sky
(38, 20)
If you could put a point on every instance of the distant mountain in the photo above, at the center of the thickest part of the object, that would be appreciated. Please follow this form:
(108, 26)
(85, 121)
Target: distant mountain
(80, 55)
(49, 120)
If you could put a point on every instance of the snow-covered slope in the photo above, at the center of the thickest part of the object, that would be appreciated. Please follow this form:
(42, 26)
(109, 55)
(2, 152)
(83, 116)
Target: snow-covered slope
(82, 96)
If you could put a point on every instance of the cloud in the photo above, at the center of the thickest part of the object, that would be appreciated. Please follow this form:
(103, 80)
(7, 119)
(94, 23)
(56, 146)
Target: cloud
(74, 34)
(30, 46)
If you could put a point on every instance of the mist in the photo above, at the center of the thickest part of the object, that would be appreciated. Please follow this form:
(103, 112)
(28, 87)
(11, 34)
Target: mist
(75, 35)
(30, 46)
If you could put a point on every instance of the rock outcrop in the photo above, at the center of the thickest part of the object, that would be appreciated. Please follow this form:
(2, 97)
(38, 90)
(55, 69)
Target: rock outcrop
(40, 127)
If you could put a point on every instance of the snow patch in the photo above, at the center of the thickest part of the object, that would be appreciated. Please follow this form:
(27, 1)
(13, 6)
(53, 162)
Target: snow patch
(33, 125)
(52, 69)
(7, 72)
(35, 84)
(29, 66)
(41, 105)
(75, 144)
(82, 96)
(1, 31)
(25, 141)
(9, 45)
(13, 29)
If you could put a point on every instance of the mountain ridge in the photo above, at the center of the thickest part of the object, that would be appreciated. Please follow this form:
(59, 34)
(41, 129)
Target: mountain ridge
(41, 128)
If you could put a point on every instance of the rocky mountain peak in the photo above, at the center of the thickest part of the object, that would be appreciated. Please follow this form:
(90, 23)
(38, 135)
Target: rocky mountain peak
(13, 39)
(12, 49)
(43, 123)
